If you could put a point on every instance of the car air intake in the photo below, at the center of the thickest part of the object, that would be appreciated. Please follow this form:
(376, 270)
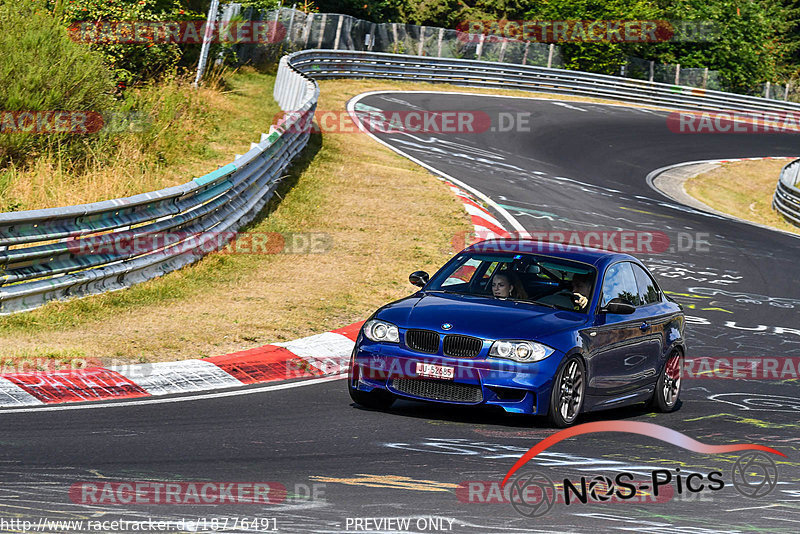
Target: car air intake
(423, 341)
(462, 346)
(443, 390)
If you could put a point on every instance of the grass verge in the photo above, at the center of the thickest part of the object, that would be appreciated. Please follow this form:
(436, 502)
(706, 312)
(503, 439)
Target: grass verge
(743, 189)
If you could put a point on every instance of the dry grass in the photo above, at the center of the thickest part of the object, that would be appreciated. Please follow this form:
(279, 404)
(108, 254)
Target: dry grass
(743, 189)
(186, 133)
(385, 216)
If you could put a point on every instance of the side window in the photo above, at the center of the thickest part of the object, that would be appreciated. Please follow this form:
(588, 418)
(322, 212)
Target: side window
(620, 283)
(648, 291)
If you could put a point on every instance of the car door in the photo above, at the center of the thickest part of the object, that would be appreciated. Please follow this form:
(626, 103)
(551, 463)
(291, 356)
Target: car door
(656, 313)
(622, 351)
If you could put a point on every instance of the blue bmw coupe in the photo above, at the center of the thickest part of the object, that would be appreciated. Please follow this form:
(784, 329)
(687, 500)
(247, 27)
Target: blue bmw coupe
(531, 327)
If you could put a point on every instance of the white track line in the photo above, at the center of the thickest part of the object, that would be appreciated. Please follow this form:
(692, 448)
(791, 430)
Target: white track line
(499, 209)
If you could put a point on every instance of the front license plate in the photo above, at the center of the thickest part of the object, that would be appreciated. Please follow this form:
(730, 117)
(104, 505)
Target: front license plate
(429, 370)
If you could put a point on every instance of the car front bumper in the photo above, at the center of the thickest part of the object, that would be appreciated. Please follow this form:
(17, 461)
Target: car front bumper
(515, 387)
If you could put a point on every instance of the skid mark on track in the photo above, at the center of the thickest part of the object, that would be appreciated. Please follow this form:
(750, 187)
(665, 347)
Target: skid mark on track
(733, 418)
(389, 481)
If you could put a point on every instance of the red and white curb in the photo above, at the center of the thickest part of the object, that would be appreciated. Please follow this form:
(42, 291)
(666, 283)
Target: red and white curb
(319, 355)
(326, 354)
(485, 224)
(734, 160)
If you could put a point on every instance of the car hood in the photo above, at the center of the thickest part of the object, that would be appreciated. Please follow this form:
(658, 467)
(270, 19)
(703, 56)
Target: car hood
(483, 317)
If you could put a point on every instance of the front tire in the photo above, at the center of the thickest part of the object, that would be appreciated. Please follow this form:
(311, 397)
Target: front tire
(376, 399)
(668, 388)
(566, 396)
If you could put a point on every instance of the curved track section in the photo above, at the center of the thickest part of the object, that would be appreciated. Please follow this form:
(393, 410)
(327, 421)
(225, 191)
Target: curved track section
(581, 167)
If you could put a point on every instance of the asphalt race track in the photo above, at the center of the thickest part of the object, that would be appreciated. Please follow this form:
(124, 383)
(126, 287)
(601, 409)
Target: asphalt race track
(581, 167)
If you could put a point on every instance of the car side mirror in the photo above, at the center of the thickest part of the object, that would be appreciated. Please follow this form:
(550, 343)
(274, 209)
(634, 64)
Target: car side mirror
(618, 307)
(419, 278)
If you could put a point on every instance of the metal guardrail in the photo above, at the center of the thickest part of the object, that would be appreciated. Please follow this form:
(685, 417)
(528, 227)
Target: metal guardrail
(787, 196)
(321, 64)
(72, 251)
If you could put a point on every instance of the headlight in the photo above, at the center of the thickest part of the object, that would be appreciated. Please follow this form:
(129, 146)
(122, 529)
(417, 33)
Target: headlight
(520, 351)
(381, 331)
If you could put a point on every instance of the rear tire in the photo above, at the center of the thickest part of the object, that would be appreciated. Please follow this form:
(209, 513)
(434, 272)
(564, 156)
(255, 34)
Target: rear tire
(566, 396)
(668, 387)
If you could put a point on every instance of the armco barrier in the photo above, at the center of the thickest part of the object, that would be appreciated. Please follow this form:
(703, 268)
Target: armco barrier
(787, 196)
(320, 64)
(37, 259)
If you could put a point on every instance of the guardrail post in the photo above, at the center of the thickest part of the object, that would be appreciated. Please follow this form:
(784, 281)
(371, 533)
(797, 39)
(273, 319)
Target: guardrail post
(550, 56)
(678, 74)
(322, 30)
(652, 71)
(307, 29)
(274, 29)
(338, 32)
(480, 45)
(421, 40)
(766, 90)
(441, 36)
(374, 35)
(291, 24)
(207, 36)
(280, 82)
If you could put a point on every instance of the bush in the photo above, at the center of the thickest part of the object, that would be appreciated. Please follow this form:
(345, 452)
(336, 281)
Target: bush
(130, 62)
(42, 69)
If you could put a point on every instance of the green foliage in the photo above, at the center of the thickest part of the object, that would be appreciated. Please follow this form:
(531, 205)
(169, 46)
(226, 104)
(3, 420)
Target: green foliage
(42, 69)
(260, 5)
(755, 41)
(130, 62)
(603, 57)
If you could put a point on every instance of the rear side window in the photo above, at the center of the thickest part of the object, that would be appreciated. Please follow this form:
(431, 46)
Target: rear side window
(648, 290)
(620, 283)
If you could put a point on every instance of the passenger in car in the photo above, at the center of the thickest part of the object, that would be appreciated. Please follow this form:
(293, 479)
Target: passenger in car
(507, 285)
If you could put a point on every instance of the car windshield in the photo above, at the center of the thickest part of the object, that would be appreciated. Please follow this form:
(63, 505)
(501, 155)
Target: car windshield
(540, 279)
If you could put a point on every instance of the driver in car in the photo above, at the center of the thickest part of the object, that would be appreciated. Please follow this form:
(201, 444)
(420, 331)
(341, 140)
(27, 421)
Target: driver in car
(576, 299)
(581, 291)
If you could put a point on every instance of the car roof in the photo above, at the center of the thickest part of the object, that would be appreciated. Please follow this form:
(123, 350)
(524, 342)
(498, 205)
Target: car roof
(593, 256)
